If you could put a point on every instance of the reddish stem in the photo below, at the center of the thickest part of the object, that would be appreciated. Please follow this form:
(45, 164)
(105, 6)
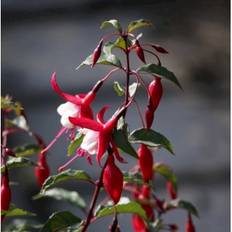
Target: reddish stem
(94, 199)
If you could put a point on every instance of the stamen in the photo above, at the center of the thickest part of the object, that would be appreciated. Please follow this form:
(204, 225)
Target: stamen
(63, 129)
(61, 168)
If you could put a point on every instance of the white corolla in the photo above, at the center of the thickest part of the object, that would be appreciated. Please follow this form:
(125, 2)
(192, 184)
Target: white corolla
(90, 141)
(67, 110)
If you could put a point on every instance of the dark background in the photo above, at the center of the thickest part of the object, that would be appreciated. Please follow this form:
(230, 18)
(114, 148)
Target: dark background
(39, 37)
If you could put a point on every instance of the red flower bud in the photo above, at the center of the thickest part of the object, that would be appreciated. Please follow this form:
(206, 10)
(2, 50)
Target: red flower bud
(139, 224)
(158, 48)
(139, 52)
(145, 195)
(145, 162)
(113, 179)
(5, 193)
(155, 90)
(97, 53)
(189, 225)
(149, 115)
(42, 170)
(171, 190)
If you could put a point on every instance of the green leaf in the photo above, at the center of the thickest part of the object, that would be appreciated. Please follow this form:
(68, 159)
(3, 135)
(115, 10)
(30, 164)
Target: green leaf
(75, 144)
(139, 24)
(60, 194)
(125, 205)
(166, 171)
(13, 212)
(63, 176)
(112, 22)
(21, 122)
(120, 137)
(21, 225)
(106, 57)
(118, 89)
(27, 150)
(161, 72)
(8, 104)
(18, 162)
(133, 88)
(133, 178)
(150, 138)
(121, 43)
(60, 220)
(178, 203)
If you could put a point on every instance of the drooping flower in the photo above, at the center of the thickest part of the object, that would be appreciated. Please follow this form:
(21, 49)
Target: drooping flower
(75, 106)
(113, 179)
(104, 128)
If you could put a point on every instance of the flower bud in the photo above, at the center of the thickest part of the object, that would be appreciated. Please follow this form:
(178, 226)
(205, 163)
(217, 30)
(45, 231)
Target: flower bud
(155, 90)
(113, 180)
(97, 53)
(145, 162)
(5, 193)
(139, 224)
(139, 52)
(149, 116)
(171, 190)
(189, 227)
(42, 170)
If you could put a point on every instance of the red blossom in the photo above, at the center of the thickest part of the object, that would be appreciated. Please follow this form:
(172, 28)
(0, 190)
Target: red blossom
(104, 128)
(81, 100)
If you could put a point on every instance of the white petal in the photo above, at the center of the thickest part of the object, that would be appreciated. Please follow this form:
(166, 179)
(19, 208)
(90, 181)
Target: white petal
(66, 123)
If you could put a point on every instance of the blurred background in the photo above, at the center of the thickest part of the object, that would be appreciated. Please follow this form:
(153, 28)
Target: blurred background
(39, 37)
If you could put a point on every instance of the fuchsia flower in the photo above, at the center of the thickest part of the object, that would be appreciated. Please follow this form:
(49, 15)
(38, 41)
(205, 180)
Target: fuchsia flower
(75, 105)
(103, 128)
